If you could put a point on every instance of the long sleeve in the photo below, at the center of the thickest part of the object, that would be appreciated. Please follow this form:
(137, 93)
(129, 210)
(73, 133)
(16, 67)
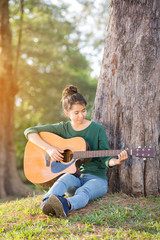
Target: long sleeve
(53, 128)
(103, 145)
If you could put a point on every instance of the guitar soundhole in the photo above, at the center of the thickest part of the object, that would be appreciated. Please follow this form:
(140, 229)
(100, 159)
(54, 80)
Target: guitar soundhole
(68, 155)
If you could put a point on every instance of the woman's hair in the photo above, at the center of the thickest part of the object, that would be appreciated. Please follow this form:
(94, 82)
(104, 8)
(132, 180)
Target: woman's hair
(71, 96)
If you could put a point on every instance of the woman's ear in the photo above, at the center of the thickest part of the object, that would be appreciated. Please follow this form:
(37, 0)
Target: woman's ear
(66, 113)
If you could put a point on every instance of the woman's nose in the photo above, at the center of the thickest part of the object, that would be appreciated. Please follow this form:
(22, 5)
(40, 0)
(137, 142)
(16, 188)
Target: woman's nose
(80, 115)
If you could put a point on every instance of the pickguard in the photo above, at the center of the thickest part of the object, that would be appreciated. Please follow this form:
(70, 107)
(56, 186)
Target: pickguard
(57, 167)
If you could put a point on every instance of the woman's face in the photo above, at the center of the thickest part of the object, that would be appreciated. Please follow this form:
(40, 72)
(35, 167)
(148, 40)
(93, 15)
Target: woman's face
(77, 113)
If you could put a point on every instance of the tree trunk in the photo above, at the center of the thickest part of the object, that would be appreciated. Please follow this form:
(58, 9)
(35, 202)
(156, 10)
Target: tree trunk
(10, 183)
(128, 101)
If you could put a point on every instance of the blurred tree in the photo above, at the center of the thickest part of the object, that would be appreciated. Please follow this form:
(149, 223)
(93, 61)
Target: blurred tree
(10, 183)
(50, 58)
(91, 19)
(96, 15)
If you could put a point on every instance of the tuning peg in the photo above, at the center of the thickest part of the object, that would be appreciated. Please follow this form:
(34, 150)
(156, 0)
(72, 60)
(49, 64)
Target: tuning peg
(144, 159)
(139, 146)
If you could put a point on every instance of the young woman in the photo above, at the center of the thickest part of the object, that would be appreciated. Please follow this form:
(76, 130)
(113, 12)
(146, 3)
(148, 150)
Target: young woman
(92, 183)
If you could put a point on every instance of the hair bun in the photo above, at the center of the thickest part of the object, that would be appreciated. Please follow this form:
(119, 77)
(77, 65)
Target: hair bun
(69, 90)
(71, 96)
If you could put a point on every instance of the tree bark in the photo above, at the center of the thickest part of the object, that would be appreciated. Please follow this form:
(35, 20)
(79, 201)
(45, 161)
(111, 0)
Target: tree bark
(10, 183)
(128, 94)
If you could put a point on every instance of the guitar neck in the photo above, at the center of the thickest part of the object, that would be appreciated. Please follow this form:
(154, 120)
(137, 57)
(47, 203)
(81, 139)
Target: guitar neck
(94, 154)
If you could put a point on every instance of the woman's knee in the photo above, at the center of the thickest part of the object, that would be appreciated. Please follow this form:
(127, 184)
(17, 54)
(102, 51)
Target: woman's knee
(91, 191)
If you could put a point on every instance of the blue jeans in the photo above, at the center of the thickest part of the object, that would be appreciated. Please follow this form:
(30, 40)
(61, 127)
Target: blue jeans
(84, 188)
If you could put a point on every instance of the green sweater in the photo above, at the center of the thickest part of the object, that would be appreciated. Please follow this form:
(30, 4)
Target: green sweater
(94, 134)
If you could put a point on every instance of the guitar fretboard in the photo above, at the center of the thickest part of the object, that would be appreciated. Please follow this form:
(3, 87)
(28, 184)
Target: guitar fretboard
(94, 154)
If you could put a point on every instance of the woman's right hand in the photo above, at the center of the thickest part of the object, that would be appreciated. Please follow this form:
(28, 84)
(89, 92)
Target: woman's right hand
(55, 153)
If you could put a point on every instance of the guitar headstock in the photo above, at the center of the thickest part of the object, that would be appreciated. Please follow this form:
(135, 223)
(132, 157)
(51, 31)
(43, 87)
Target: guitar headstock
(145, 152)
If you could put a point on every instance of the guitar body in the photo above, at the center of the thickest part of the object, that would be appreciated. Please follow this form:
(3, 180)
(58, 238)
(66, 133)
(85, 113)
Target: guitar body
(43, 171)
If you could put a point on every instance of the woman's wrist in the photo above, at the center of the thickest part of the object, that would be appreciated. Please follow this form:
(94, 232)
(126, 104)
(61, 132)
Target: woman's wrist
(113, 162)
(48, 148)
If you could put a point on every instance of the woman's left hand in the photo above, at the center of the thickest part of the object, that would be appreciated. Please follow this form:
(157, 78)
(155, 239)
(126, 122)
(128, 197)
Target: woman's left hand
(122, 157)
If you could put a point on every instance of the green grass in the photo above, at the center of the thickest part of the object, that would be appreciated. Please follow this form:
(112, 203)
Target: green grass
(115, 216)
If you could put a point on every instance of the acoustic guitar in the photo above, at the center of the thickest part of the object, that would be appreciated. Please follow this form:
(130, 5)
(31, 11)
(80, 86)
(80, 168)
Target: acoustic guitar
(41, 170)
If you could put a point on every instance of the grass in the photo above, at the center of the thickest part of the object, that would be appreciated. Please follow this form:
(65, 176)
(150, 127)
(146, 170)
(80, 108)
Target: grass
(114, 216)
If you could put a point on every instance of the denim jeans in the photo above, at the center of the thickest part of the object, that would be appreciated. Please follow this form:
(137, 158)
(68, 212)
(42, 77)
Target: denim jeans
(84, 188)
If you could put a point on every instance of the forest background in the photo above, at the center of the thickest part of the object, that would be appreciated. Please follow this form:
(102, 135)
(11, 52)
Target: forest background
(54, 44)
